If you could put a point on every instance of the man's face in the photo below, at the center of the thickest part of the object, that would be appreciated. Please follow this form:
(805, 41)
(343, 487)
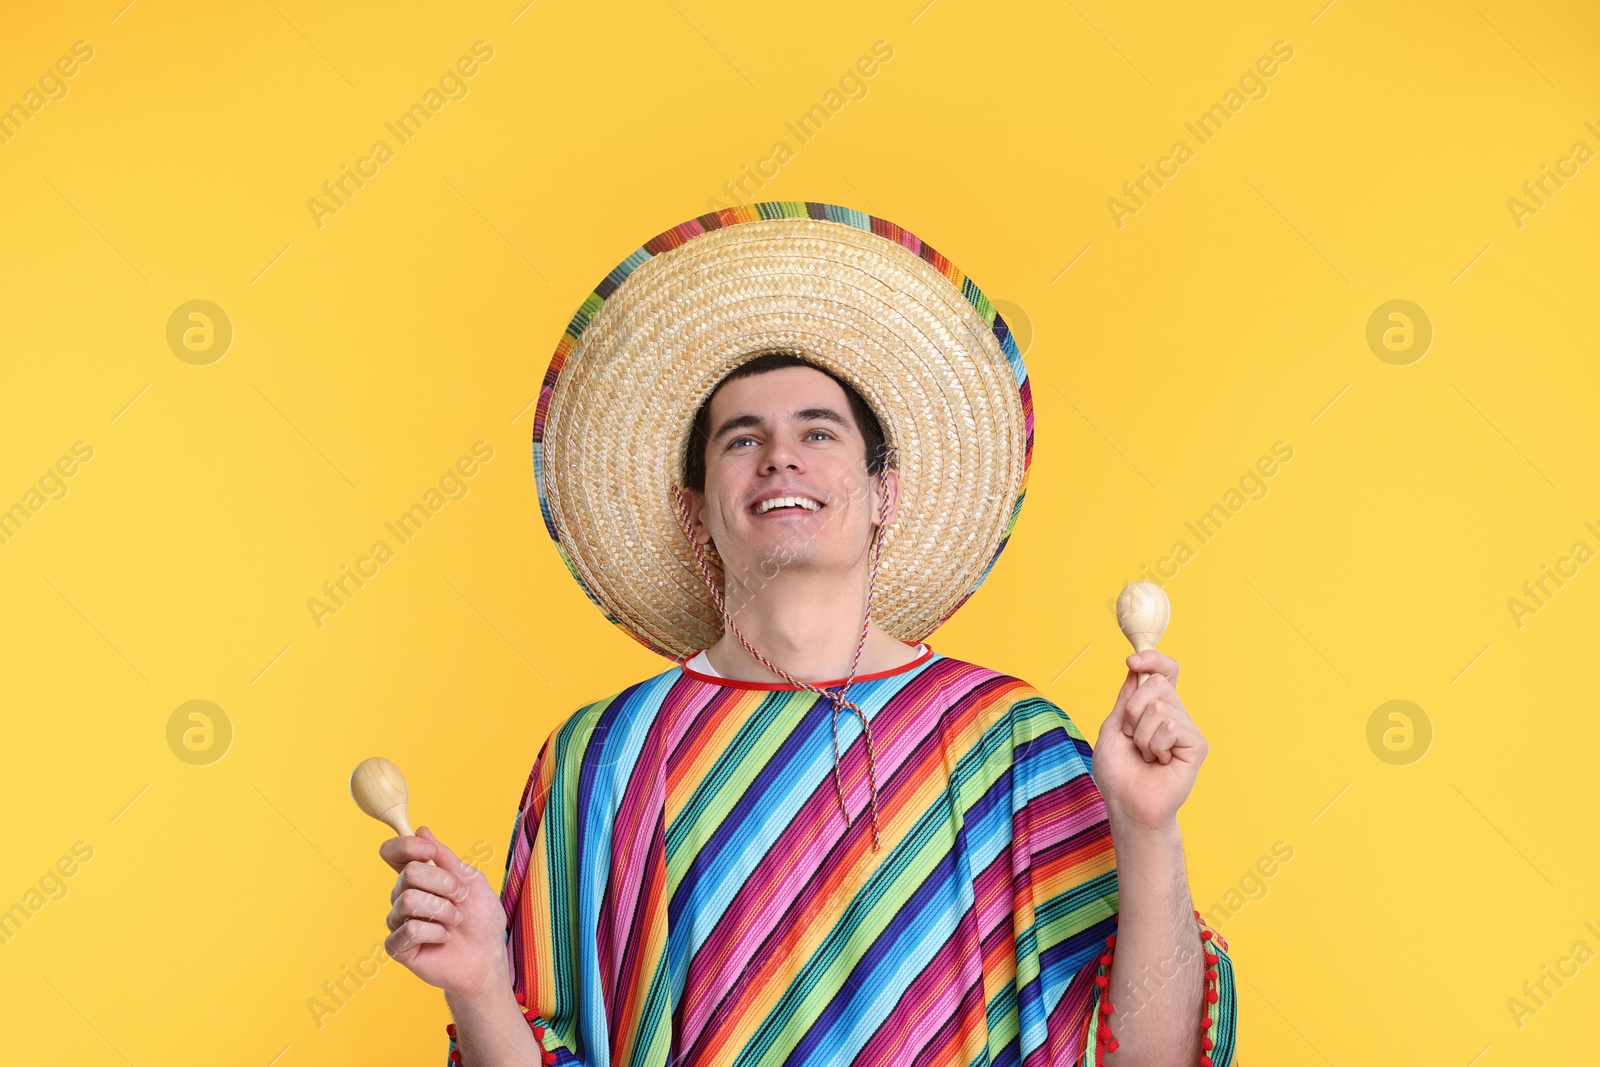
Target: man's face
(786, 433)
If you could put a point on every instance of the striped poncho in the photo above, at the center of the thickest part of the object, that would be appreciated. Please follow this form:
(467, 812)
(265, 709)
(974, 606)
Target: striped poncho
(682, 889)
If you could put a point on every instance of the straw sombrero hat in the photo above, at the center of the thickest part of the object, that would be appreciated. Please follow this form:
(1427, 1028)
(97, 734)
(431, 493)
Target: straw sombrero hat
(850, 292)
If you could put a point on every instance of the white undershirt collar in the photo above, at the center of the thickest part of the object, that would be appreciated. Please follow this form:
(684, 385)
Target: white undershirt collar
(699, 662)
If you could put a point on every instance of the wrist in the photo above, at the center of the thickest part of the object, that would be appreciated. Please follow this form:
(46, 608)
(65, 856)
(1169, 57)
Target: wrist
(492, 993)
(1128, 829)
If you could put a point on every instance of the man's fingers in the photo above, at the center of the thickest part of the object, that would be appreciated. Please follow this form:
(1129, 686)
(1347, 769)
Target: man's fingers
(1152, 662)
(442, 855)
(414, 932)
(1158, 727)
(429, 879)
(1166, 728)
(1139, 701)
(1148, 722)
(399, 851)
(1161, 740)
(415, 904)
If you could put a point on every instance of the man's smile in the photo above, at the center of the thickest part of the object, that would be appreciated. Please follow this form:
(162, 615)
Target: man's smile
(776, 503)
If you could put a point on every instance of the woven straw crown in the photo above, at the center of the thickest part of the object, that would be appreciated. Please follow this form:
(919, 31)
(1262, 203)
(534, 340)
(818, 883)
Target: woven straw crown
(849, 292)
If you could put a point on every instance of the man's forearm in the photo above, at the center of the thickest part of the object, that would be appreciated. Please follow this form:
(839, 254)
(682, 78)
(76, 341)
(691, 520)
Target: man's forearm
(1157, 977)
(491, 1032)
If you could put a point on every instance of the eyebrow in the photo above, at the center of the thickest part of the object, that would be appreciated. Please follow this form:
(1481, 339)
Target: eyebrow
(739, 422)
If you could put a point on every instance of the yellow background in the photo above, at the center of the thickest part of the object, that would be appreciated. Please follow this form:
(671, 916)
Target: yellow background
(1228, 313)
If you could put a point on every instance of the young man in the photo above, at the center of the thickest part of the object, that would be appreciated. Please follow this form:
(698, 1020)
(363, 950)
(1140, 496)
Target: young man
(814, 841)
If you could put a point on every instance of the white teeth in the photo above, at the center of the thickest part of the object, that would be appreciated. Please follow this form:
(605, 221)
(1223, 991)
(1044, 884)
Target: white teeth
(780, 501)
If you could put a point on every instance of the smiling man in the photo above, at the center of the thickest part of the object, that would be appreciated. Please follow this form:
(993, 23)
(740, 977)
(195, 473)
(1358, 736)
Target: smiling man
(780, 446)
(783, 483)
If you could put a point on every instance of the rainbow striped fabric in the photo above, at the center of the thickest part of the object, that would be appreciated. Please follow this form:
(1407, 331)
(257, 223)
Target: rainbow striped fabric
(682, 889)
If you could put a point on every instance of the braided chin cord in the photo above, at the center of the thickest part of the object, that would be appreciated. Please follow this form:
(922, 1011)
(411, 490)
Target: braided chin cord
(837, 699)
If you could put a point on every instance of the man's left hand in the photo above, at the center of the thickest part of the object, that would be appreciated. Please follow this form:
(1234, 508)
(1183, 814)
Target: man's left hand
(1149, 749)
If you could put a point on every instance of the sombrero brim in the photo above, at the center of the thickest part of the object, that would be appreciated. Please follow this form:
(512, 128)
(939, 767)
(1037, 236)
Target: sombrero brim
(851, 292)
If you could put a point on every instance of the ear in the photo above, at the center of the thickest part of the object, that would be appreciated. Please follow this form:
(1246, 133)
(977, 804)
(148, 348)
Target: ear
(892, 477)
(695, 503)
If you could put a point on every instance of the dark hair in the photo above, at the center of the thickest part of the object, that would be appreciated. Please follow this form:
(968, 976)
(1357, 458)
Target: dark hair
(694, 459)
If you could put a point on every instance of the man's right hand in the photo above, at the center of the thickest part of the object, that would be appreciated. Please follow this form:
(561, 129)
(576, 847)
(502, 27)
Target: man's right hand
(447, 924)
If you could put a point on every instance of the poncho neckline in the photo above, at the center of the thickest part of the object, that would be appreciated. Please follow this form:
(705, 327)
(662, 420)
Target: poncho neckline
(928, 654)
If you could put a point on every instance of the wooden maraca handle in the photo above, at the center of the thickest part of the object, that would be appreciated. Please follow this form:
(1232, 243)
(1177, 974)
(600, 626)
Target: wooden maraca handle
(379, 790)
(1143, 612)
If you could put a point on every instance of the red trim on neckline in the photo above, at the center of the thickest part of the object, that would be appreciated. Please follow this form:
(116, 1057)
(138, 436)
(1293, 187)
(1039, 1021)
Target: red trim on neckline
(739, 683)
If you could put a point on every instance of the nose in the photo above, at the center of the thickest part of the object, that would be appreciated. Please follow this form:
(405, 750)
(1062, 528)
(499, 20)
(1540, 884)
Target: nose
(780, 454)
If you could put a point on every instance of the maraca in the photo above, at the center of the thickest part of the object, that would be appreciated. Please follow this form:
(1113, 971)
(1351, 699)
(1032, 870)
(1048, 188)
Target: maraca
(1143, 612)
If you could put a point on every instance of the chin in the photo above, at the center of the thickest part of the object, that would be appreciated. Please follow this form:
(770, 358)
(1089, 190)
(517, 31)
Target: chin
(770, 550)
(779, 553)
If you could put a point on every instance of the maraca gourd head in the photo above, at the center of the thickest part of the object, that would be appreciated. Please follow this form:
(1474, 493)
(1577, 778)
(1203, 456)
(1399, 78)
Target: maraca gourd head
(379, 790)
(1143, 612)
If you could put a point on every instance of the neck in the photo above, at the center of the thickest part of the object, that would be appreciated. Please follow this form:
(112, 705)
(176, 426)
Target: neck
(807, 627)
